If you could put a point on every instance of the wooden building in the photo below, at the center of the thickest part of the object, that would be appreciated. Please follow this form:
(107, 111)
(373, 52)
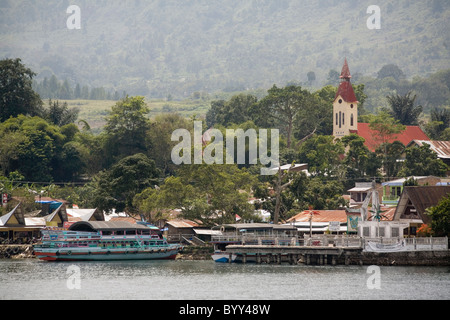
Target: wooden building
(413, 203)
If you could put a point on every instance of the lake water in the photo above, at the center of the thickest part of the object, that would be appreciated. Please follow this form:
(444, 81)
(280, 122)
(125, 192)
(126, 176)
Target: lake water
(206, 280)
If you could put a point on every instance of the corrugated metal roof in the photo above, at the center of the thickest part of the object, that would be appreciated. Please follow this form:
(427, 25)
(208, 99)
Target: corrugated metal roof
(182, 223)
(323, 216)
(442, 148)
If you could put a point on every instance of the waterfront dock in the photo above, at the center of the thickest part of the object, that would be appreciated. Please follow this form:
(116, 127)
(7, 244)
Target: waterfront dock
(340, 250)
(294, 254)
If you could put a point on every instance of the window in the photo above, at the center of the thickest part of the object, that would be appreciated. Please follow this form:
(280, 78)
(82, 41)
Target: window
(340, 119)
(337, 119)
(395, 232)
(343, 118)
(366, 231)
(381, 232)
(351, 119)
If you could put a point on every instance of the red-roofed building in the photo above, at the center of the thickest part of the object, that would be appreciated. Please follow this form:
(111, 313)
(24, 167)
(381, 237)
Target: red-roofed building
(411, 133)
(345, 117)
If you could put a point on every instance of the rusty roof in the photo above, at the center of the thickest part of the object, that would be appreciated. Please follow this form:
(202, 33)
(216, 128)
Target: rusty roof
(323, 216)
(421, 197)
(442, 148)
(182, 223)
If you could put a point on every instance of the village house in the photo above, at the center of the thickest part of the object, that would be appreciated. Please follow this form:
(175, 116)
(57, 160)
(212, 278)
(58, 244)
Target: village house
(413, 203)
(393, 189)
(19, 227)
(359, 193)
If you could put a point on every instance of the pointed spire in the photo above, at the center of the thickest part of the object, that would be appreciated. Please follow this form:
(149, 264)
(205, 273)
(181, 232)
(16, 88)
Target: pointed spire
(345, 74)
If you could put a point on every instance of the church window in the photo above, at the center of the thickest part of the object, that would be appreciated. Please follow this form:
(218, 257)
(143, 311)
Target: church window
(351, 119)
(340, 100)
(336, 118)
(343, 118)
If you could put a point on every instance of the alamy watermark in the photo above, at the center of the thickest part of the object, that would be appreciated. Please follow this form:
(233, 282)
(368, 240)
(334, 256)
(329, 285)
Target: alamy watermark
(74, 20)
(374, 21)
(213, 152)
(374, 280)
(74, 279)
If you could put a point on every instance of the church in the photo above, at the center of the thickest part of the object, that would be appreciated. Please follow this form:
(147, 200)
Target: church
(345, 117)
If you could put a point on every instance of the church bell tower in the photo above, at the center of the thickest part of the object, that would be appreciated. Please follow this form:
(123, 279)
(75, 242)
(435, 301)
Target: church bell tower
(345, 106)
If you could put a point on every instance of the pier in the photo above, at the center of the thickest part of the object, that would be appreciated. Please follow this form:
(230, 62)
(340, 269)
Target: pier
(337, 250)
(310, 255)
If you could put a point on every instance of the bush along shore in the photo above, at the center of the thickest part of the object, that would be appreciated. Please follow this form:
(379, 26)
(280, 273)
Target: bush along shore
(16, 251)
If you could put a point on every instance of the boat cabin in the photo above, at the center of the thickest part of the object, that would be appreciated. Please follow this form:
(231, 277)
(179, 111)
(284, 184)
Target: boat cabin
(107, 228)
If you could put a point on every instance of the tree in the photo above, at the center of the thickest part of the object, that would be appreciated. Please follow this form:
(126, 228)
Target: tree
(322, 154)
(440, 217)
(126, 128)
(235, 111)
(314, 117)
(391, 70)
(440, 121)
(392, 152)
(403, 109)
(159, 137)
(311, 77)
(282, 105)
(385, 128)
(213, 194)
(60, 114)
(422, 161)
(317, 192)
(357, 156)
(16, 93)
(116, 187)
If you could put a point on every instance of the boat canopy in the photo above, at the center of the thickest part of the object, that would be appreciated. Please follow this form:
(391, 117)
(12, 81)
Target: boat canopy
(95, 226)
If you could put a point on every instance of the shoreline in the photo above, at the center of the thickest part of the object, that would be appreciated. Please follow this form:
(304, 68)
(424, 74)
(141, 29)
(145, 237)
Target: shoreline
(436, 258)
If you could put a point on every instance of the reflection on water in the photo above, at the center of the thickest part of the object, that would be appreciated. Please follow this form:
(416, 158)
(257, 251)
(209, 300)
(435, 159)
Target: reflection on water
(198, 280)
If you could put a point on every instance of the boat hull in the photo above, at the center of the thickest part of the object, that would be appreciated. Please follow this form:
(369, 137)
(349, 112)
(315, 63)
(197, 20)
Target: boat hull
(222, 257)
(105, 255)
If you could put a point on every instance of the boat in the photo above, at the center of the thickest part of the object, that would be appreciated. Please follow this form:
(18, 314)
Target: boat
(102, 241)
(222, 256)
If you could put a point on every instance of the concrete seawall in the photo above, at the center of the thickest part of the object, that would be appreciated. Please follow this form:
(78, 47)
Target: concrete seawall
(337, 256)
(409, 258)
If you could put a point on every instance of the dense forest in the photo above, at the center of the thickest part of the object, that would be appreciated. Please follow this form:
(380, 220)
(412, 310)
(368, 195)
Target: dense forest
(128, 166)
(172, 47)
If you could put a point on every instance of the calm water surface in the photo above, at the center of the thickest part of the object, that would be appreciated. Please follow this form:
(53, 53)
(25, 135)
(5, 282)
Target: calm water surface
(199, 280)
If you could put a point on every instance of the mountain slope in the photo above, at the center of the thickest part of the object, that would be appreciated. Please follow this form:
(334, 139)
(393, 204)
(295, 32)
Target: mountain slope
(162, 47)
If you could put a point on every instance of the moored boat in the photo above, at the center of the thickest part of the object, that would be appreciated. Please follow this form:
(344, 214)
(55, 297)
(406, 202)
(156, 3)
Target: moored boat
(101, 240)
(222, 256)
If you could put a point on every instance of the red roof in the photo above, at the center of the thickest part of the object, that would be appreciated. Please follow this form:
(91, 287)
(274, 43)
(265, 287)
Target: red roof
(345, 73)
(345, 90)
(411, 133)
(323, 216)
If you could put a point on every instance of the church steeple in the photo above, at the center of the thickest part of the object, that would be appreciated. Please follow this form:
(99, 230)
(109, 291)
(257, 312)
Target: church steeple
(345, 73)
(345, 106)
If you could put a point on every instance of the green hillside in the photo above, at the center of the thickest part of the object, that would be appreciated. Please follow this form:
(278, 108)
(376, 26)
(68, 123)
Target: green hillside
(177, 47)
